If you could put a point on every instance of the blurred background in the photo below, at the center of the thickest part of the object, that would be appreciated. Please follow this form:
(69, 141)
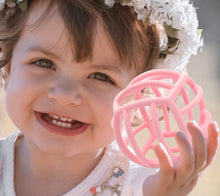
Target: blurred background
(205, 70)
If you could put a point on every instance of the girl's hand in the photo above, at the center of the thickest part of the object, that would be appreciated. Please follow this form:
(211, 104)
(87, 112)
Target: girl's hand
(180, 179)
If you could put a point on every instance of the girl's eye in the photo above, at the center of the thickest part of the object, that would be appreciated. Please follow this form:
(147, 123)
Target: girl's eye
(102, 77)
(44, 63)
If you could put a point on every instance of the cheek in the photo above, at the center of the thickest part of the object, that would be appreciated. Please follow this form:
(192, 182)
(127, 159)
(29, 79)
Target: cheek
(103, 103)
(21, 91)
(23, 84)
(16, 98)
(103, 108)
(18, 91)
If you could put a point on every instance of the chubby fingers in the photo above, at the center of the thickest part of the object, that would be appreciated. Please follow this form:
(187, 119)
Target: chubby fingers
(186, 165)
(212, 142)
(192, 157)
(166, 167)
(199, 146)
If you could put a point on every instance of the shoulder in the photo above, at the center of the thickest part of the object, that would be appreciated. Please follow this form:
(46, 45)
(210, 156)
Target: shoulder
(6, 161)
(10, 139)
(7, 147)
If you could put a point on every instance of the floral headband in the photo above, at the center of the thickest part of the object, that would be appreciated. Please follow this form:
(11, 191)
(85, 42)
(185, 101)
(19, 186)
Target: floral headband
(176, 18)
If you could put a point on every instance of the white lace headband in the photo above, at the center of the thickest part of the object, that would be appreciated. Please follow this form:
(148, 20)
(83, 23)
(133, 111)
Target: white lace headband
(179, 21)
(177, 18)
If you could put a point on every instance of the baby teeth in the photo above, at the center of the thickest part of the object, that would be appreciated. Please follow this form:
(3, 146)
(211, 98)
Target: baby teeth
(61, 118)
(61, 124)
(54, 116)
(66, 119)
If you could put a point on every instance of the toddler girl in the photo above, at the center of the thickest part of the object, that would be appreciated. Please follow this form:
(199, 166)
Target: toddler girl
(64, 62)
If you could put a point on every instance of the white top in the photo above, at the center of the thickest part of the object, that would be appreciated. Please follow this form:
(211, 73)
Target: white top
(114, 175)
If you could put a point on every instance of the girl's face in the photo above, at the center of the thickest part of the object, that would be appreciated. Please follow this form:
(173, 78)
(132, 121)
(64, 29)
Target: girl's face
(61, 106)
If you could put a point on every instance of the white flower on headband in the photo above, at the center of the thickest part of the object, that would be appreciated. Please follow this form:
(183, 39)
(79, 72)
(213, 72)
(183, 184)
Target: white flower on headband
(22, 4)
(109, 3)
(2, 4)
(179, 18)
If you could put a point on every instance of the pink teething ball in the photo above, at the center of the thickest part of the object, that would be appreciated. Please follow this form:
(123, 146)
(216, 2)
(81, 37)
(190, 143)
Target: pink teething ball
(148, 105)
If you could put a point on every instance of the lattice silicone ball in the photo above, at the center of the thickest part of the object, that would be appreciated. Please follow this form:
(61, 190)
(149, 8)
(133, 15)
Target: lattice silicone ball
(147, 105)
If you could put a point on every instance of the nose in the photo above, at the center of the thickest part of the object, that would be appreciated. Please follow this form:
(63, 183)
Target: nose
(65, 92)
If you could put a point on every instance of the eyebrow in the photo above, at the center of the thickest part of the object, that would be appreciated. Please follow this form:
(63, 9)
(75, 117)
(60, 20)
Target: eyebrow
(43, 50)
(107, 67)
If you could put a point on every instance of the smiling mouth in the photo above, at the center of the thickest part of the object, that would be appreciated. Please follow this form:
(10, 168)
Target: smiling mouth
(61, 121)
(61, 125)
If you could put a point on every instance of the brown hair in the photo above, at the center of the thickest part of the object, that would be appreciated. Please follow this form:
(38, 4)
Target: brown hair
(136, 42)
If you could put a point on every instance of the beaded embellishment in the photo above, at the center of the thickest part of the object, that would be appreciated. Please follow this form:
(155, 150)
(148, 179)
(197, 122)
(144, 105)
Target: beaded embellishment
(115, 190)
